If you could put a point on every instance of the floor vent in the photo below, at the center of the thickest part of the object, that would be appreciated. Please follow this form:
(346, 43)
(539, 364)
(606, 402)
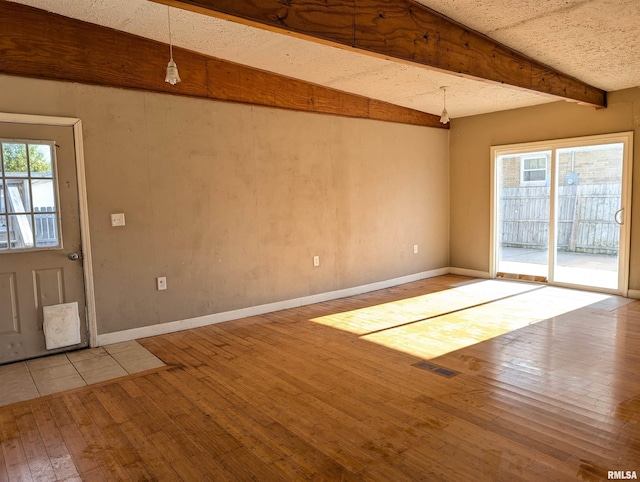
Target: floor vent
(445, 372)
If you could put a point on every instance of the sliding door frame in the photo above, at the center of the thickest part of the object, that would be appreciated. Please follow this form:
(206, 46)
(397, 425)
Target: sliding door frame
(625, 199)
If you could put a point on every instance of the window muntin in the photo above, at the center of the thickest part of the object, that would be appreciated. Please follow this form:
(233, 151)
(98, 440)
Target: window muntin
(29, 212)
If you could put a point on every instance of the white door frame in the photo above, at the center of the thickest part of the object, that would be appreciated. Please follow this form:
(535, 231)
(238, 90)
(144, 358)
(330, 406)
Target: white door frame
(87, 265)
(625, 200)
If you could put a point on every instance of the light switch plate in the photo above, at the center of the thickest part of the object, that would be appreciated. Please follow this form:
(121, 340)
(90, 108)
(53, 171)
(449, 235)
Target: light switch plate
(117, 219)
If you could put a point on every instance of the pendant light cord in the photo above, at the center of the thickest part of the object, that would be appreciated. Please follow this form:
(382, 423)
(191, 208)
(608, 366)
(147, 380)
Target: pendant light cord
(170, 40)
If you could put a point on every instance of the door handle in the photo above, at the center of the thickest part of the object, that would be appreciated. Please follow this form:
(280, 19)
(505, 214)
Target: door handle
(615, 216)
(73, 256)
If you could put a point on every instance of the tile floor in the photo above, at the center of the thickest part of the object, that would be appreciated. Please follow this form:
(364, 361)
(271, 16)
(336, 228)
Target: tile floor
(43, 376)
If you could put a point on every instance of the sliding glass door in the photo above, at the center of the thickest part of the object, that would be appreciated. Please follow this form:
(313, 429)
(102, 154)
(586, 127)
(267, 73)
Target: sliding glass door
(524, 212)
(560, 211)
(589, 191)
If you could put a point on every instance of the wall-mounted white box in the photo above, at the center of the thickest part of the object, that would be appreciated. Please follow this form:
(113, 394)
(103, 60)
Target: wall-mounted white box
(117, 219)
(161, 282)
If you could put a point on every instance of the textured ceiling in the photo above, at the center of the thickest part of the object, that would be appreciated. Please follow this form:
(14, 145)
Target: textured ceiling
(596, 41)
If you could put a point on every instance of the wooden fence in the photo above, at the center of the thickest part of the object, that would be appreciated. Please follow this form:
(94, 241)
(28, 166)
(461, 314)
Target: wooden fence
(46, 227)
(586, 221)
(20, 234)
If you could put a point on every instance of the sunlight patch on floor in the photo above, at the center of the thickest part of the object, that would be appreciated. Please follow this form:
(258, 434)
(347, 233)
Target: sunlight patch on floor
(410, 310)
(443, 334)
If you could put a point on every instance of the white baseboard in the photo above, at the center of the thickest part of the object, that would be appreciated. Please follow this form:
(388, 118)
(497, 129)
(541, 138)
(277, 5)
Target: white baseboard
(635, 294)
(173, 326)
(469, 272)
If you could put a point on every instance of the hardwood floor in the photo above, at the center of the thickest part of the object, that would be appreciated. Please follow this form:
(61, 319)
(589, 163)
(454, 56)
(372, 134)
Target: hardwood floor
(548, 389)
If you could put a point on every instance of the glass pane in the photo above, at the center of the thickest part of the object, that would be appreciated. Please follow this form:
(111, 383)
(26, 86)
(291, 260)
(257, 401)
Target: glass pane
(46, 230)
(3, 208)
(15, 159)
(18, 200)
(523, 217)
(20, 231)
(540, 163)
(535, 175)
(3, 233)
(589, 187)
(40, 160)
(43, 195)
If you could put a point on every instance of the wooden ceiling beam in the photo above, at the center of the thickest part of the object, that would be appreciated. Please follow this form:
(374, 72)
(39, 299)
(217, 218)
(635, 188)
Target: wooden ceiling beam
(35, 43)
(405, 31)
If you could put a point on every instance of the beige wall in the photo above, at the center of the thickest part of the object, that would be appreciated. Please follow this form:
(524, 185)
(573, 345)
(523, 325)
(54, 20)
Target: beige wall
(470, 164)
(231, 202)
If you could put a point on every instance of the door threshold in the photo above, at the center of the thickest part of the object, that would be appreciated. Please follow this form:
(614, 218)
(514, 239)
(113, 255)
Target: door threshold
(522, 277)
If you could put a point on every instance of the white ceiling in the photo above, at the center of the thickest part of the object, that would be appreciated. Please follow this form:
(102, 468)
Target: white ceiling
(596, 41)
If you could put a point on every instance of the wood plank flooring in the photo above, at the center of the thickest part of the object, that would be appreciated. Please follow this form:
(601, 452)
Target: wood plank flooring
(548, 389)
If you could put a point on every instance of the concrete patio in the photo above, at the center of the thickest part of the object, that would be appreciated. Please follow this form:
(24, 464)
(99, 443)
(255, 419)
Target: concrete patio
(584, 269)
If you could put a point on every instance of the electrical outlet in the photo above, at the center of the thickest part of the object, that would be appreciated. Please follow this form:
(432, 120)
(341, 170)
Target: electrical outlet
(415, 249)
(162, 283)
(316, 261)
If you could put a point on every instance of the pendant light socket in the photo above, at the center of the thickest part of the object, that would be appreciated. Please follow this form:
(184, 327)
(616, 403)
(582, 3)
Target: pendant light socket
(172, 76)
(444, 118)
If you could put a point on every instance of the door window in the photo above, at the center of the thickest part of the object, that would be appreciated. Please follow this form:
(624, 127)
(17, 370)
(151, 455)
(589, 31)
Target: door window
(29, 216)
